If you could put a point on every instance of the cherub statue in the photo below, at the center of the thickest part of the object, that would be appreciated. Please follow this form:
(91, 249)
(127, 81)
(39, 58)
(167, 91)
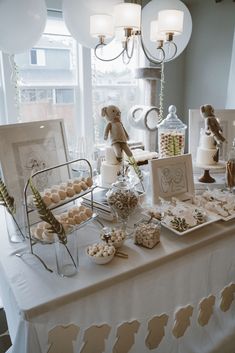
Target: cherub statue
(116, 131)
(212, 125)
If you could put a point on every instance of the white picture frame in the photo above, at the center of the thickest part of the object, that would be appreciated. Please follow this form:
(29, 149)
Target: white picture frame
(172, 177)
(227, 121)
(28, 147)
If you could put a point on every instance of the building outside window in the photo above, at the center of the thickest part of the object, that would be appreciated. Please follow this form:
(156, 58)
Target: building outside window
(48, 78)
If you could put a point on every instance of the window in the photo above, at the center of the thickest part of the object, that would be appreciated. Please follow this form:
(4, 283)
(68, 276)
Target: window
(64, 96)
(48, 78)
(58, 79)
(113, 83)
(37, 57)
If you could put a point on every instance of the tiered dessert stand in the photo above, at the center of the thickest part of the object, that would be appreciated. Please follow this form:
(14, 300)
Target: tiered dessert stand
(30, 209)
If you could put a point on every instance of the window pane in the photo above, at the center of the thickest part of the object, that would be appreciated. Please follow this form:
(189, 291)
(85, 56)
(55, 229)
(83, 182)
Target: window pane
(48, 77)
(33, 57)
(64, 96)
(113, 84)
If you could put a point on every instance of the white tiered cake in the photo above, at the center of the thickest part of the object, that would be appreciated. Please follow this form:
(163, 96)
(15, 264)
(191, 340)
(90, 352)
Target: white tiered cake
(110, 167)
(207, 151)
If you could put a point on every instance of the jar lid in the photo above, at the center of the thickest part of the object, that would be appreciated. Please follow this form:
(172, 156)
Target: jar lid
(172, 122)
(122, 182)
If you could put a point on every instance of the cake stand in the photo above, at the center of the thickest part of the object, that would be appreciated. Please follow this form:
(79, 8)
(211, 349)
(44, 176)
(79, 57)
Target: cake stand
(206, 177)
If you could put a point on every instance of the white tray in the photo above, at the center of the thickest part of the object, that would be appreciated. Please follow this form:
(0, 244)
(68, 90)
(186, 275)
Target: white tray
(211, 219)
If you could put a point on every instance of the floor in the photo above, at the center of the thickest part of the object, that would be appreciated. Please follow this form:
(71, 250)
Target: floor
(5, 341)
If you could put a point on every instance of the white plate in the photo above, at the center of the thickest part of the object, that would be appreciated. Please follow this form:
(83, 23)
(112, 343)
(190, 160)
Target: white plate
(211, 218)
(227, 218)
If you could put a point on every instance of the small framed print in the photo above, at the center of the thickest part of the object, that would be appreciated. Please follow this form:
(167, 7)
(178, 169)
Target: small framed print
(172, 176)
(28, 147)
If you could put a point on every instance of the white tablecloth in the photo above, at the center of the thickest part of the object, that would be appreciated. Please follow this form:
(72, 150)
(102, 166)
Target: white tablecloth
(181, 271)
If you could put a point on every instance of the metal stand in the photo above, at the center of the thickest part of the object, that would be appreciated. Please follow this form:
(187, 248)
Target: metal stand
(29, 209)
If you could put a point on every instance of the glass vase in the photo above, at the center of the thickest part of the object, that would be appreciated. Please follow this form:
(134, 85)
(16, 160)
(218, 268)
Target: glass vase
(15, 224)
(67, 255)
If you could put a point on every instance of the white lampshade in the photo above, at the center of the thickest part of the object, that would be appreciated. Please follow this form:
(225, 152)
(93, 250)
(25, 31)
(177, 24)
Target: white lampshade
(127, 15)
(171, 21)
(155, 35)
(101, 25)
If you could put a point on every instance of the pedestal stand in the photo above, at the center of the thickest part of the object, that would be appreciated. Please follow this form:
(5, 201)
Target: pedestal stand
(206, 177)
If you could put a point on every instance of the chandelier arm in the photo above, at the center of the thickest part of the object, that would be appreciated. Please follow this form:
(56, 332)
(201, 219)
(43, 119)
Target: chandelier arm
(111, 59)
(148, 55)
(132, 47)
(174, 53)
(125, 58)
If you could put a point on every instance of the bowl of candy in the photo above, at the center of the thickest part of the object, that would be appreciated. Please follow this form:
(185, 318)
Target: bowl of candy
(100, 253)
(113, 236)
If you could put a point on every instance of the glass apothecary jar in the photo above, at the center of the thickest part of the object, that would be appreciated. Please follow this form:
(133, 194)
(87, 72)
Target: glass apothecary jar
(123, 200)
(171, 135)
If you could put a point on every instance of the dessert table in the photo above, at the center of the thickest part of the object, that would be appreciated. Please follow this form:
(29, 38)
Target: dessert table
(176, 297)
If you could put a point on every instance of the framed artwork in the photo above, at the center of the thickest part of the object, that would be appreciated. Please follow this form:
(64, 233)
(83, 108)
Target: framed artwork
(196, 123)
(172, 176)
(28, 147)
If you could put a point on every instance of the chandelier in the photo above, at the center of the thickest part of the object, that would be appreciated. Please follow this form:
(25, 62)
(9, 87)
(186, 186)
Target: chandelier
(127, 20)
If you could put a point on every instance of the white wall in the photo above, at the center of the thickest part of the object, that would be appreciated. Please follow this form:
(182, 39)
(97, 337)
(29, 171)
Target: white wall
(208, 55)
(230, 104)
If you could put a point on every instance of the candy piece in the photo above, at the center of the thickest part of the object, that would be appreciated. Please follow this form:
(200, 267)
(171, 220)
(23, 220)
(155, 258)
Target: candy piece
(88, 212)
(77, 188)
(47, 192)
(63, 186)
(83, 216)
(70, 213)
(62, 194)
(89, 181)
(64, 216)
(47, 200)
(70, 191)
(70, 183)
(83, 185)
(47, 236)
(55, 197)
(75, 210)
(100, 250)
(71, 220)
(55, 188)
(41, 225)
(113, 236)
(47, 225)
(37, 232)
(67, 227)
(77, 219)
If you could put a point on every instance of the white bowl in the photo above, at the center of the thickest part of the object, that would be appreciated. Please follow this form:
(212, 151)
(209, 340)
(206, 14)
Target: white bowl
(116, 243)
(101, 260)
